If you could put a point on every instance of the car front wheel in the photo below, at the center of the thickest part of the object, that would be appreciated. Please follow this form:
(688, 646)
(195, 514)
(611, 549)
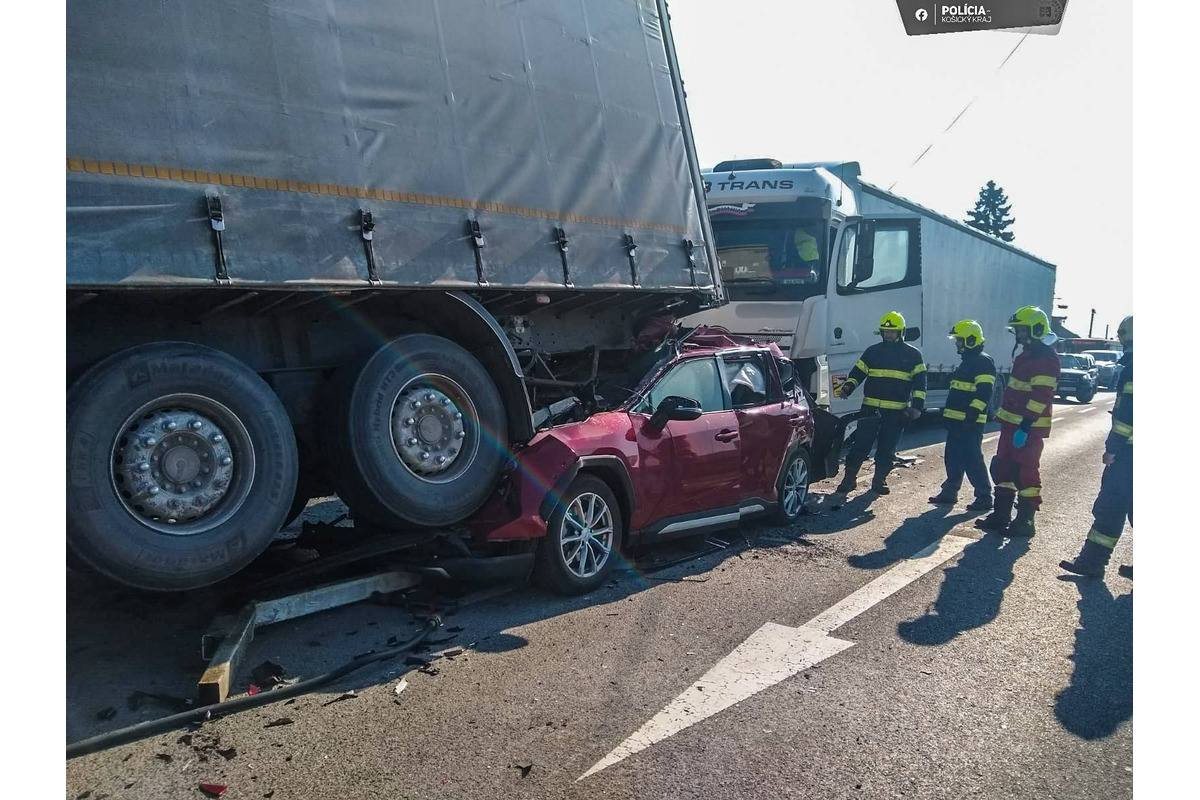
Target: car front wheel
(793, 487)
(582, 539)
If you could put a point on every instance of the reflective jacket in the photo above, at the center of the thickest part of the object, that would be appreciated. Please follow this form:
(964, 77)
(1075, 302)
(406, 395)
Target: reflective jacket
(970, 389)
(895, 372)
(1029, 396)
(1121, 435)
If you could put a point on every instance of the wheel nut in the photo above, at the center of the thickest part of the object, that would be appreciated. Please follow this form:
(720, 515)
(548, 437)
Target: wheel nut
(154, 490)
(149, 441)
(441, 459)
(144, 466)
(445, 401)
(457, 415)
(415, 404)
(460, 434)
(197, 484)
(195, 424)
(409, 421)
(226, 461)
(429, 398)
(423, 455)
(216, 438)
(170, 425)
(412, 441)
(205, 471)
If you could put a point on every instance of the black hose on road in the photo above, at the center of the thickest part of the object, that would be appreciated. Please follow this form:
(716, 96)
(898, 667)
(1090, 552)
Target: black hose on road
(134, 732)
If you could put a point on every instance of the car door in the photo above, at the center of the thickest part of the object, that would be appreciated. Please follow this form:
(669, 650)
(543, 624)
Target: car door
(704, 452)
(766, 422)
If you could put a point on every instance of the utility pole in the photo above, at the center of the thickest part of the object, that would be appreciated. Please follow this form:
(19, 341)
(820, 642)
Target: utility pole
(1105, 331)
(1091, 322)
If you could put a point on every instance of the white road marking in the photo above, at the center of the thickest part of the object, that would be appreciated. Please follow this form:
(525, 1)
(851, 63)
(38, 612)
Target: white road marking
(1086, 409)
(774, 653)
(991, 438)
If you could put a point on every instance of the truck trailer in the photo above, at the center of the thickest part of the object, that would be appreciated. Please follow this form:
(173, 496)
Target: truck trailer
(812, 256)
(356, 247)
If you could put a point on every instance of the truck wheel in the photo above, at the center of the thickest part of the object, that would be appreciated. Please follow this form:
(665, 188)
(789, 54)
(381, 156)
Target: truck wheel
(419, 434)
(582, 539)
(793, 487)
(181, 465)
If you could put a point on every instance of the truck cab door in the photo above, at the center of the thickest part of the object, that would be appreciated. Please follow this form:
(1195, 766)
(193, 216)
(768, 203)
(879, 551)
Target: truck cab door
(877, 269)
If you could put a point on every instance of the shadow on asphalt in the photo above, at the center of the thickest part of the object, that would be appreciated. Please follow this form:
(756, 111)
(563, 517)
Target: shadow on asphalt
(1100, 695)
(912, 535)
(971, 591)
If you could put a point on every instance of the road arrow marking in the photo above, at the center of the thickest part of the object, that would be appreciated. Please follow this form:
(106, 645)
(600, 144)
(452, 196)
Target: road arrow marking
(774, 653)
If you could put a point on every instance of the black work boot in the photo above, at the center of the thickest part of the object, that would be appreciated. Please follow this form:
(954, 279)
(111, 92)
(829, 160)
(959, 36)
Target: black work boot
(1091, 561)
(879, 486)
(983, 503)
(945, 498)
(1022, 527)
(1001, 516)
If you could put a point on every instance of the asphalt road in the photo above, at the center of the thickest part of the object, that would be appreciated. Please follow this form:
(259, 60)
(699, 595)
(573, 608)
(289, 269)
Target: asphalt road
(972, 670)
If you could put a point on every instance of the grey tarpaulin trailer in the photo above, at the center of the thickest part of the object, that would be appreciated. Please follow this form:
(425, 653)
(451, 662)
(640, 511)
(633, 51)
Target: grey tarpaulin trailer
(322, 245)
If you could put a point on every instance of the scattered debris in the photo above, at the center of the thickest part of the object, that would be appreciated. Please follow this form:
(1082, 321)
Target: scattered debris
(280, 721)
(214, 789)
(926, 672)
(84, 795)
(401, 686)
(130, 785)
(350, 695)
(289, 702)
(185, 739)
(268, 674)
(613, 614)
(167, 757)
(104, 715)
(453, 651)
(525, 768)
(269, 794)
(253, 690)
(429, 670)
(126, 758)
(228, 754)
(176, 704)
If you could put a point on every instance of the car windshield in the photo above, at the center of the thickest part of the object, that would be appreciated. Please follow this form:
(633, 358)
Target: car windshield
(1103, 355)
(1073, 362)
(766, 258)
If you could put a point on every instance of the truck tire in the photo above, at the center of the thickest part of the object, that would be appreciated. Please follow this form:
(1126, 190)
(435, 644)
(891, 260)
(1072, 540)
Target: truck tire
(181, 465)
(418, 434)
(583, 538)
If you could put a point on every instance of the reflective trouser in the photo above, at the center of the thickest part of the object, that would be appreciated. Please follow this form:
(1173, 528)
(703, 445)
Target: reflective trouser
(1114, 504)
(1016, 469)
(883, 430)
(964, 456)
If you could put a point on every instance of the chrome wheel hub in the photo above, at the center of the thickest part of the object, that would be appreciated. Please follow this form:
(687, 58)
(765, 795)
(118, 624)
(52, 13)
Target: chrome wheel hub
(427, 427)
(174, 466)
(587, 535)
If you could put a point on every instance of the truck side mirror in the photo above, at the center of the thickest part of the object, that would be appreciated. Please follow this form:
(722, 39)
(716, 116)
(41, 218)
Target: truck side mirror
(674, 408)
(912, 334)
(864, 253)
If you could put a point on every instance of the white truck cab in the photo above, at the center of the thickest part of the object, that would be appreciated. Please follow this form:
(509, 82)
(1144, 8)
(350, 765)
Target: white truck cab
(812, 257)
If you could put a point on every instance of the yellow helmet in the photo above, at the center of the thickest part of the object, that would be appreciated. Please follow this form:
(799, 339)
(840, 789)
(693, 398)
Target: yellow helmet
(892, 321)
(1125, 332)
(1036, 320)
(970, 331)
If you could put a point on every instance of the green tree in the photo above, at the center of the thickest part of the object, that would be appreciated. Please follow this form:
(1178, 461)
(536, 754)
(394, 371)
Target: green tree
(990, 214)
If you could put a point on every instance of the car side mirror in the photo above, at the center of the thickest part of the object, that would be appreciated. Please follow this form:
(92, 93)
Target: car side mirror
(674, 408)
(864, 253)
(912, 334)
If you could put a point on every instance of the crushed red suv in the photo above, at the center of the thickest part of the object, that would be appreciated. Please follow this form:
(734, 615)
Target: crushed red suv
(715, 432)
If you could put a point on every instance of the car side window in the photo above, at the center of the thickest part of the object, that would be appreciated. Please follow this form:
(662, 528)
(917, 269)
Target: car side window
(747, 379)
(696, 379)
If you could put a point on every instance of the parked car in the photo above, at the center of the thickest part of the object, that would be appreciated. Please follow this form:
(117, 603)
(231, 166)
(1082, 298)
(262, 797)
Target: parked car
(1078, 377)
(1106, 362)
(715, 433)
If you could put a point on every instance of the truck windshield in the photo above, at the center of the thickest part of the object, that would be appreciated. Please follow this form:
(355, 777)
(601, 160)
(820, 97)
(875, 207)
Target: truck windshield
(771, 259)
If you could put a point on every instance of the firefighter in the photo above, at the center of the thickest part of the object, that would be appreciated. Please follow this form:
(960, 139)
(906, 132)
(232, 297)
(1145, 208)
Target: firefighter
(964, 415)
(1025, 415)
(894, 394)
(1114, 504)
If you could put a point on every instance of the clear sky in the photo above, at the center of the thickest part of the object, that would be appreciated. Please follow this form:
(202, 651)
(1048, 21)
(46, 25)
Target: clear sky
(802, 80)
